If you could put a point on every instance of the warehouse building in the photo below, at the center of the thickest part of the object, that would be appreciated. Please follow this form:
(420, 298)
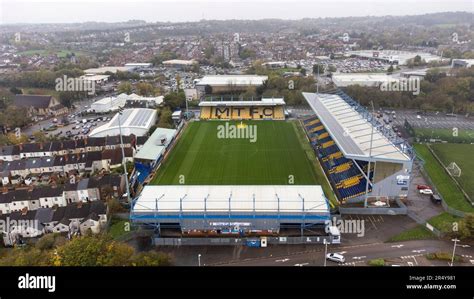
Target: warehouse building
(124, 100)
(135, 121)
(394, 56)
(370, 80)
(219, 84)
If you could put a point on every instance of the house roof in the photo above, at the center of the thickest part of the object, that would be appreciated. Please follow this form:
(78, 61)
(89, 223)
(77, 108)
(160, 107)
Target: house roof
(78, 210)
(58, 213)
(36, 101)
(44, 215)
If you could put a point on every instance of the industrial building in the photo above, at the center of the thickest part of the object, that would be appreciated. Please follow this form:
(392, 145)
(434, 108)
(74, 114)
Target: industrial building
(113, 103)
(467, 63)
(370, 80)
(179, 64)
(228, 83)
(359, 154)
(222, 210)
(106, 69)
(135, 121)
(394, 56)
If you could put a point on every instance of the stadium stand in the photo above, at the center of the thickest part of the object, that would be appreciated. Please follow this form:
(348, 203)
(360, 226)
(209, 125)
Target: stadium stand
(343, 173)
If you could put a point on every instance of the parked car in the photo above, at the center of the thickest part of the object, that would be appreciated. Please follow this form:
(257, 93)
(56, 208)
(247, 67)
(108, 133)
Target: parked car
(435, 198)
(419, 187)
(335, 257)
(426, 191)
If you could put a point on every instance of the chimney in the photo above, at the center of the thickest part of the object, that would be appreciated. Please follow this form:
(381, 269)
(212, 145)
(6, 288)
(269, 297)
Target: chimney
(30, 188)
(41, 145)
(79, 204)
(85, 141)
(4, 190)
(21, 147)
(24, 211)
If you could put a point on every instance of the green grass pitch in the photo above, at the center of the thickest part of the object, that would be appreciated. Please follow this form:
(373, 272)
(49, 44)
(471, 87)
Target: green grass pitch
(461, 154)
(200, 157)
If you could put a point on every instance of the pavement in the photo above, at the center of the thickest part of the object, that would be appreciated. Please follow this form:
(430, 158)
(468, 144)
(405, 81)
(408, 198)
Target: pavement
(409, 253)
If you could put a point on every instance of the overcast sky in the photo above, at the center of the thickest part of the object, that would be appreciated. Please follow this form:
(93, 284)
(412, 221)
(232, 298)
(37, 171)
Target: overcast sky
(67, 11)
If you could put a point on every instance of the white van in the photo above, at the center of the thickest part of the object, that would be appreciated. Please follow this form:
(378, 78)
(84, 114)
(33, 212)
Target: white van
(336, 234)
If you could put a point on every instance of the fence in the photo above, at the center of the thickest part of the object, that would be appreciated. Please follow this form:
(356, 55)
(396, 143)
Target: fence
(241, 241)
(401, 210)
(445, 206)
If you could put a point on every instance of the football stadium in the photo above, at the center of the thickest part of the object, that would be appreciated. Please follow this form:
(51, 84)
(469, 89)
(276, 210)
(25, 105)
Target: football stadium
(245, 175)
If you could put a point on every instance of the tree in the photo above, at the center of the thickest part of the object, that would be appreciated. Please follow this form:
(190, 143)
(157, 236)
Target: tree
(93, 251)
(175, 100)
(40, 136)
(390, 69)
(151, 258)
(320, 67)
(125, 87)
(166, 120)
(26, 257)
(466, 227)
(13, 139)
(145, 89)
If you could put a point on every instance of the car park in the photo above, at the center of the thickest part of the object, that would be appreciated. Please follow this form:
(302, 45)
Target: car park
(335, 257)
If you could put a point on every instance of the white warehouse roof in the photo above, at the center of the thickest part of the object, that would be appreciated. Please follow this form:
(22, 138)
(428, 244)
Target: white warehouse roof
(351, 131)
(343, 80)
(232, 198)
(135, 121)
(401, 57)
(263, 102)
(237, 80)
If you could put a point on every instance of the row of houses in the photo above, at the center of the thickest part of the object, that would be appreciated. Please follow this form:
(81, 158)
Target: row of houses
(73, 219)
(106, 160)
(85, 190)
(60, 148)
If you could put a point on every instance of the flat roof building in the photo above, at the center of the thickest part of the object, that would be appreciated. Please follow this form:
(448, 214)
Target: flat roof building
(105, 69)
(228, 83)
(394, 56)
(369, 79)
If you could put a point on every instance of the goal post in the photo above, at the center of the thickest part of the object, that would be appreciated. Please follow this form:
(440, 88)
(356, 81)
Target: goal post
(454, 169)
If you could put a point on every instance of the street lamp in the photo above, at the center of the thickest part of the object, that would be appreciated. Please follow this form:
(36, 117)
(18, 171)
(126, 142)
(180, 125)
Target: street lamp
(454, 250)
(123, 155)
(199, 260)
(325, 250)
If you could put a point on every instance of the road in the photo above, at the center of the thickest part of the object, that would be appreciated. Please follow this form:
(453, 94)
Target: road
(407, 253)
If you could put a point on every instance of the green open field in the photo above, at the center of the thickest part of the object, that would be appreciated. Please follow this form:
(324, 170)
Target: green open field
(445, 185)
(60, 53)
(461, 154)
(278, 153)
(463, 136)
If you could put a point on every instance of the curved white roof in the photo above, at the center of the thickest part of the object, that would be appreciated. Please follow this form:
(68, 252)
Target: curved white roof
(135, 121)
